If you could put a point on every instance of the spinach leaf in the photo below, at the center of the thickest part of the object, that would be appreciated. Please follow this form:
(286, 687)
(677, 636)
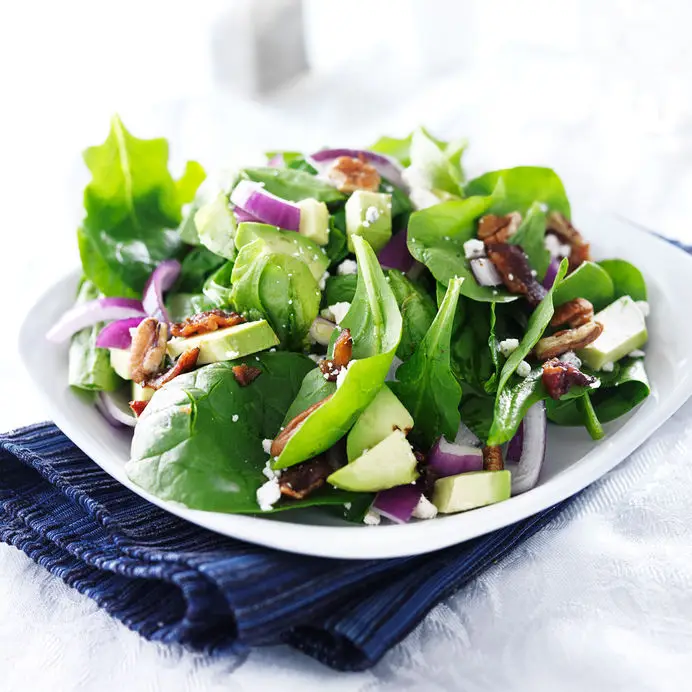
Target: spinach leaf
(196, 267)
(133, 208)
(587, 281)
(400, 149)
(530, 236)
(426, 385)
(90, 367)
(187, 230)
(340, 289)
(516, 189)
(293, 185)
(337, 247)
(435, 165)
(217, 288)
(401, 205)
(182, 305)
(436, 237)
(627, 279)
(375, 324)
(477, 413)
(591, 422)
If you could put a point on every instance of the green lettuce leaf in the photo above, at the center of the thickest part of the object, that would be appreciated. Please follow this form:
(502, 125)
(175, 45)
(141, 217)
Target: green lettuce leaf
(588, 281)
(627, 279)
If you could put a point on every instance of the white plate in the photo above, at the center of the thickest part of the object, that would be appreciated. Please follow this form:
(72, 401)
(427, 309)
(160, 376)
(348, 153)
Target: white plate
(573, 460)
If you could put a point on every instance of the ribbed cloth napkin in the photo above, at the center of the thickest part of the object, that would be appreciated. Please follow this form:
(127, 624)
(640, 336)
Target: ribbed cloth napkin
(174, 582)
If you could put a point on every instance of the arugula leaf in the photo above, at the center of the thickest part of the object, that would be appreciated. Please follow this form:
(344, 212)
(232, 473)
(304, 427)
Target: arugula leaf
(426, 385)
(588, 281)
(530, 236)
(133, 207)
(436, 237)
(627, 279)
(196, 267)
(293, 185)
(375, 324)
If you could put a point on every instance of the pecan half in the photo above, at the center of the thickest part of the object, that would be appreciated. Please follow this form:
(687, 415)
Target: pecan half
(148, 349)
(245, 374)
(205, 322)
(281, 440)
(561, 226)
(515, 270)
(302, 479)
(574, 313)
(492, 459)
(185, 363)
(138, 407)
(558, 377)
(567, 340)
(343, 348)
(498, 229)
(350, 174)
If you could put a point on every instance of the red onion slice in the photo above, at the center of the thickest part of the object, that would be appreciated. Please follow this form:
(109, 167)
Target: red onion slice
(551, 273)
(161, 279)
(113, 412)
(395, 254)
(241, 216)
(268, 208)
(397, 504)
(450, 458)
(88, 314)
(534, 430)
(390, 169)
(515, 445)
(485, 272)
(117, 334)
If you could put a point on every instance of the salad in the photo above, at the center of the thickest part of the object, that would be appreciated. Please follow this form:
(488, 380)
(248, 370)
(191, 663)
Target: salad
(363, 330)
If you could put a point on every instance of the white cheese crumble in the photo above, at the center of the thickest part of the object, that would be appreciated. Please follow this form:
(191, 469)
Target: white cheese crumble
(341, 377)
(372, 214)
(338, 311)
(348, 266)
(268, 494)
(269, 472)
(424, 509)
(523, 369)
(474, 249)
(267, 446)
(643, 307)
(637, 353)
(571, 358)
(508, 346)
(555, 247)
(371, 518)
(323, 281)
(608, 367)
(347, 505)
(235, 417)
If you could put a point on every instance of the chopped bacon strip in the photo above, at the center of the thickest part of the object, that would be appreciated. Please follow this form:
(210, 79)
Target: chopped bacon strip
(138, 407)
(349, 174)
(185, 363)
(329, 369)
(281, 440)
(558, 377)
(513, 265)
(492, 459)
(302, 479)
(561, 226)
(205, 322)
(574, 313)
(245, 374)
(343, 348)
(498, 229)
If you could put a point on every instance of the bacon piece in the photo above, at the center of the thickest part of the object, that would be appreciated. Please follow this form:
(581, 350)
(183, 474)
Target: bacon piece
(561, 226)
(148, 349)
(185, 363)
(245, 374)
(350, 174)
(302, 479)
(574, 313)
(205, 322)
(281, 440)
(498, 229)
(138, 407)
(513, 265)
(492, 459)
(558, 377)
(329, 369)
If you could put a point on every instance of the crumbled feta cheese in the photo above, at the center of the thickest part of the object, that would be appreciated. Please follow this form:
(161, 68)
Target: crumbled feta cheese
(637, 353)
(341, 377)
(323, 281)
(268, 494)
(267, 446)
(269, 472)
(424, 509)
(565, 250)
(474, 248)
(347, 505)
(510, 277)
(235, 417)
(523, 369)
(508, 346)
(372, 214)
(571, 358)
(290, 302)
(555, 247)
(534, 272)
(338, 311)
(608, 367)
(644, 307)
(348, 266)
(371, 518)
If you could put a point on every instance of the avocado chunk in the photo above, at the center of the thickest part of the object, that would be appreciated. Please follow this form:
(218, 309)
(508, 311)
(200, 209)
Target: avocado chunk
(387, 464)
(140, 393)
(285, 243)
(216, 226)
(226, 344)
(624, 330)
(470, 490)
(314, 220)
(384, 415)
(120, 362)
(369, 214)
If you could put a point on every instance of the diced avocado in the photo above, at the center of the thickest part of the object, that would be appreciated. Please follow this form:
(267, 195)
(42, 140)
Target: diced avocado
(227, 344)
(369, 214)
(383, 416)
(624, 330)
(387, 464)
(120, 362)
(285, 243)
(216, 226)
(314, 220)
(140, 393)
(470, 490)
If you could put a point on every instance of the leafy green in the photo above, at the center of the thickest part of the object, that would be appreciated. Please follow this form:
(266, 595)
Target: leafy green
(286, 156)
(217, 287)
(587, 281)
(293, 185)
(340, 289)
(401, 205)
(89, 366)
(133, 208)
(375, 324)
(398, 148)
(337, 247)
(516, 189)
(436, 165)
(627, 279)
(216, 226)
(591, 422)
(426, 385)
(477, 413)
(187, 230)
(436, 237)
(182, 305)
(530, 236)
(196, 267)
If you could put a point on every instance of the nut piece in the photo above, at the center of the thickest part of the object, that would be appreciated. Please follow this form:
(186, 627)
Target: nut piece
(492, 459)
(562, 227)
(281, 440)
(302, 479)
(148, 349)
(349, 174)
(185, 363)
(498, 229)
(574, 313)
(559, 376)
(205, 322)
(343, 348)
(567, 340)
(513, 265)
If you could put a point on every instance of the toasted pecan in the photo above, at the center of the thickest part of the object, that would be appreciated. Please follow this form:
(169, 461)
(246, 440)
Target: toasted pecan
(205, 322)
(245, 374)
(574, 313)
(558, 377)
(492, 458)
(567, 340)
(562, 227)
(498, 229)
(186, 362)
(281, 440)
(148, 349)
(302, 479)
(514, 268)
(350, 174)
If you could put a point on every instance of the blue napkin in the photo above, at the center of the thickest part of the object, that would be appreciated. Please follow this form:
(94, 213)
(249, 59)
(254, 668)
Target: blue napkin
(173, 582)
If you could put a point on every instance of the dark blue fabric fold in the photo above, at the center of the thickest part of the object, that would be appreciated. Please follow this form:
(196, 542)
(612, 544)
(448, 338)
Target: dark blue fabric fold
(174, 582)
